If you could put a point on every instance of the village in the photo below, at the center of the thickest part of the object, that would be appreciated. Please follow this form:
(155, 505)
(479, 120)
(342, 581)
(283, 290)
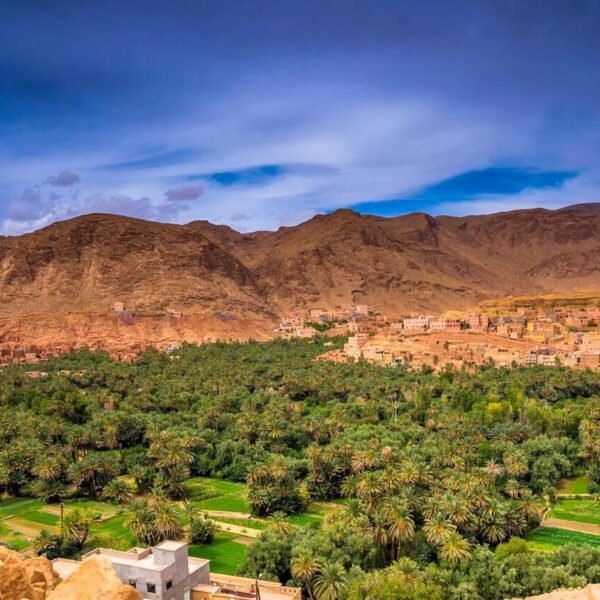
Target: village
(523, 337)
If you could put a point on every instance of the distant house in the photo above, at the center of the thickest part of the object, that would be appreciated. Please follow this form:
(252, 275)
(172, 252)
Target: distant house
(445, 325)
(118, 306)
(479, 321)
(414, 323)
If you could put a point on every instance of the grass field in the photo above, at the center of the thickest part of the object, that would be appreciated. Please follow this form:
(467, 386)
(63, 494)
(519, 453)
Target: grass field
(548, 538)
(21, 519)
(577, 485)
(224, 553)
(581, 510)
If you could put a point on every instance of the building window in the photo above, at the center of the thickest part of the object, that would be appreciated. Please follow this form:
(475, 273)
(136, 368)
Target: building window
(132, 582)
(151, 588)
(169, 584)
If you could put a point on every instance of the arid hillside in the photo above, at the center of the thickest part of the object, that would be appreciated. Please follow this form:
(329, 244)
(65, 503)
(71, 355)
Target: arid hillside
(237, 284)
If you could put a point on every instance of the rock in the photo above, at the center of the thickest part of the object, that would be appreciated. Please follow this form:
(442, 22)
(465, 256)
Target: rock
(39, 566)
(94, 579)
(16, 579)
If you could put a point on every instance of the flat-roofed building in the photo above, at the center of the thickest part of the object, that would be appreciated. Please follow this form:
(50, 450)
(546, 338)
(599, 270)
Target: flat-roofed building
(166, 572)
(414, 323)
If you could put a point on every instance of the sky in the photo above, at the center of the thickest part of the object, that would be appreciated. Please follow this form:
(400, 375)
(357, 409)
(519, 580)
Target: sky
(263, 113)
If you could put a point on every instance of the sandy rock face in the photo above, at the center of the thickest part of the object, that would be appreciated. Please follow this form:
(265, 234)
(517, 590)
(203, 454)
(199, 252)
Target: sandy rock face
(94, 579)
(24, 579)
(39, 566)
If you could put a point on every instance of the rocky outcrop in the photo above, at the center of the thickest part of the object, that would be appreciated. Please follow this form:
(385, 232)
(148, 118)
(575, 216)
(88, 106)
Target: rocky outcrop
(94, 579)
(22, 579)
(64, 279)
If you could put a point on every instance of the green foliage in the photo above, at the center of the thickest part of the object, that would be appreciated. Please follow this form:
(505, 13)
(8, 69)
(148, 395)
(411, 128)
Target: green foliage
(432, 468)
(202, 531)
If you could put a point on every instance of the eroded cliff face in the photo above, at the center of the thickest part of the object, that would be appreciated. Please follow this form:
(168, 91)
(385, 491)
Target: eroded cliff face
(31, 578)
(59, 283)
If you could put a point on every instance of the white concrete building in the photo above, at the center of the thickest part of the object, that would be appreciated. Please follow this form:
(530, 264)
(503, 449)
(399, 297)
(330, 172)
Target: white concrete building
(164, 572)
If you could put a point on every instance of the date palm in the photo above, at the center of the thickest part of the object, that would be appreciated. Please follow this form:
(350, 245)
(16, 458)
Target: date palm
(513, 488)
(116, 491)
(437, 529)
(400, 522)
(278, 522)
(529, 508)
(516, 466)
(455, 549)
(406, 571)
(330, 581)
(76, 526)
(370, 489)
(305, 568)
(167, 524)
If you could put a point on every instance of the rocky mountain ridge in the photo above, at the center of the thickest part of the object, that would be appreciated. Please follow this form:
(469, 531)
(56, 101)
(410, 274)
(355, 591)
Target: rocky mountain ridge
(236, 285)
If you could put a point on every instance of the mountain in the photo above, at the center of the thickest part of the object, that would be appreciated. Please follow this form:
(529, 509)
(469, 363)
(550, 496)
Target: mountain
(58, 283)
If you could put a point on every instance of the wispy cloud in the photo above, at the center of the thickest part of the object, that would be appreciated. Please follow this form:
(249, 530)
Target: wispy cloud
(184, 192)
(279, 114)
(64, 179)
(464, 188)
(163, 159)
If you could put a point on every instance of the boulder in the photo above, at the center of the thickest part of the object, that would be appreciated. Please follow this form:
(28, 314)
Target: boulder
(94, 579)
(42, 566)
(16, 581)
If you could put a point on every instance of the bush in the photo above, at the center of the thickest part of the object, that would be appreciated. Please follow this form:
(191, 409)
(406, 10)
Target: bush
(202, 531)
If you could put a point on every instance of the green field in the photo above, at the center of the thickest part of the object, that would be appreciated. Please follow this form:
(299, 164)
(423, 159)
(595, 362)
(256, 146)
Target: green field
(35, 515)
(581, 510)
(38, 516)
(225, 555)
(549, 538)
(577, 485)
(229, 503)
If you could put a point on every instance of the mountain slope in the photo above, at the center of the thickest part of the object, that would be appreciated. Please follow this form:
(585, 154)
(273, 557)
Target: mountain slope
(409, 263)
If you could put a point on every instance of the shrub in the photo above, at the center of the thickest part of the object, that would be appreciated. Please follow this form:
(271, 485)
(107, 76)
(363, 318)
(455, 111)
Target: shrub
(202, 531)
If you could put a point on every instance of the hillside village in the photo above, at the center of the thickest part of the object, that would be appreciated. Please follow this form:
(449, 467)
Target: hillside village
(524, 337)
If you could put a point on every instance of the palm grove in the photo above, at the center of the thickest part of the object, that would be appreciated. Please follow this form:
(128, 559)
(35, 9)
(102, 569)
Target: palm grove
(433, 474)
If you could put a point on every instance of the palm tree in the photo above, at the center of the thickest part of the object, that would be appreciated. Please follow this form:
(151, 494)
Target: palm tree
(513, 488)
(330, 581)
(528, 507)
(379, 530)
(437, 529)
(406, 571)
(400, 521)
(455, 549)
(305, 567)
(494, 469)
(116, 491)
(349, 487)
(76, 526)
(278, 522)
(167, 524)
(141, 523)
(516, 466)
(370, 489)
(46, 543)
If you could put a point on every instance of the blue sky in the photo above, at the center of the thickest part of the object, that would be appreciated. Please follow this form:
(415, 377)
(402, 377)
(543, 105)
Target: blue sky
(261, 114)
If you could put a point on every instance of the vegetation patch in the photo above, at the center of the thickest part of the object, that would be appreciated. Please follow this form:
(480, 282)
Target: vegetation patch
(580, 510)
(225, 554)
(550, 536)
(574, 485)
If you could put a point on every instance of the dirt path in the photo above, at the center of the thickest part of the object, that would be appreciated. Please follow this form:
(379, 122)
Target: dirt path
(227, 514)
(27, 528)
(246, 541)
(572, 525)
(238, 529)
